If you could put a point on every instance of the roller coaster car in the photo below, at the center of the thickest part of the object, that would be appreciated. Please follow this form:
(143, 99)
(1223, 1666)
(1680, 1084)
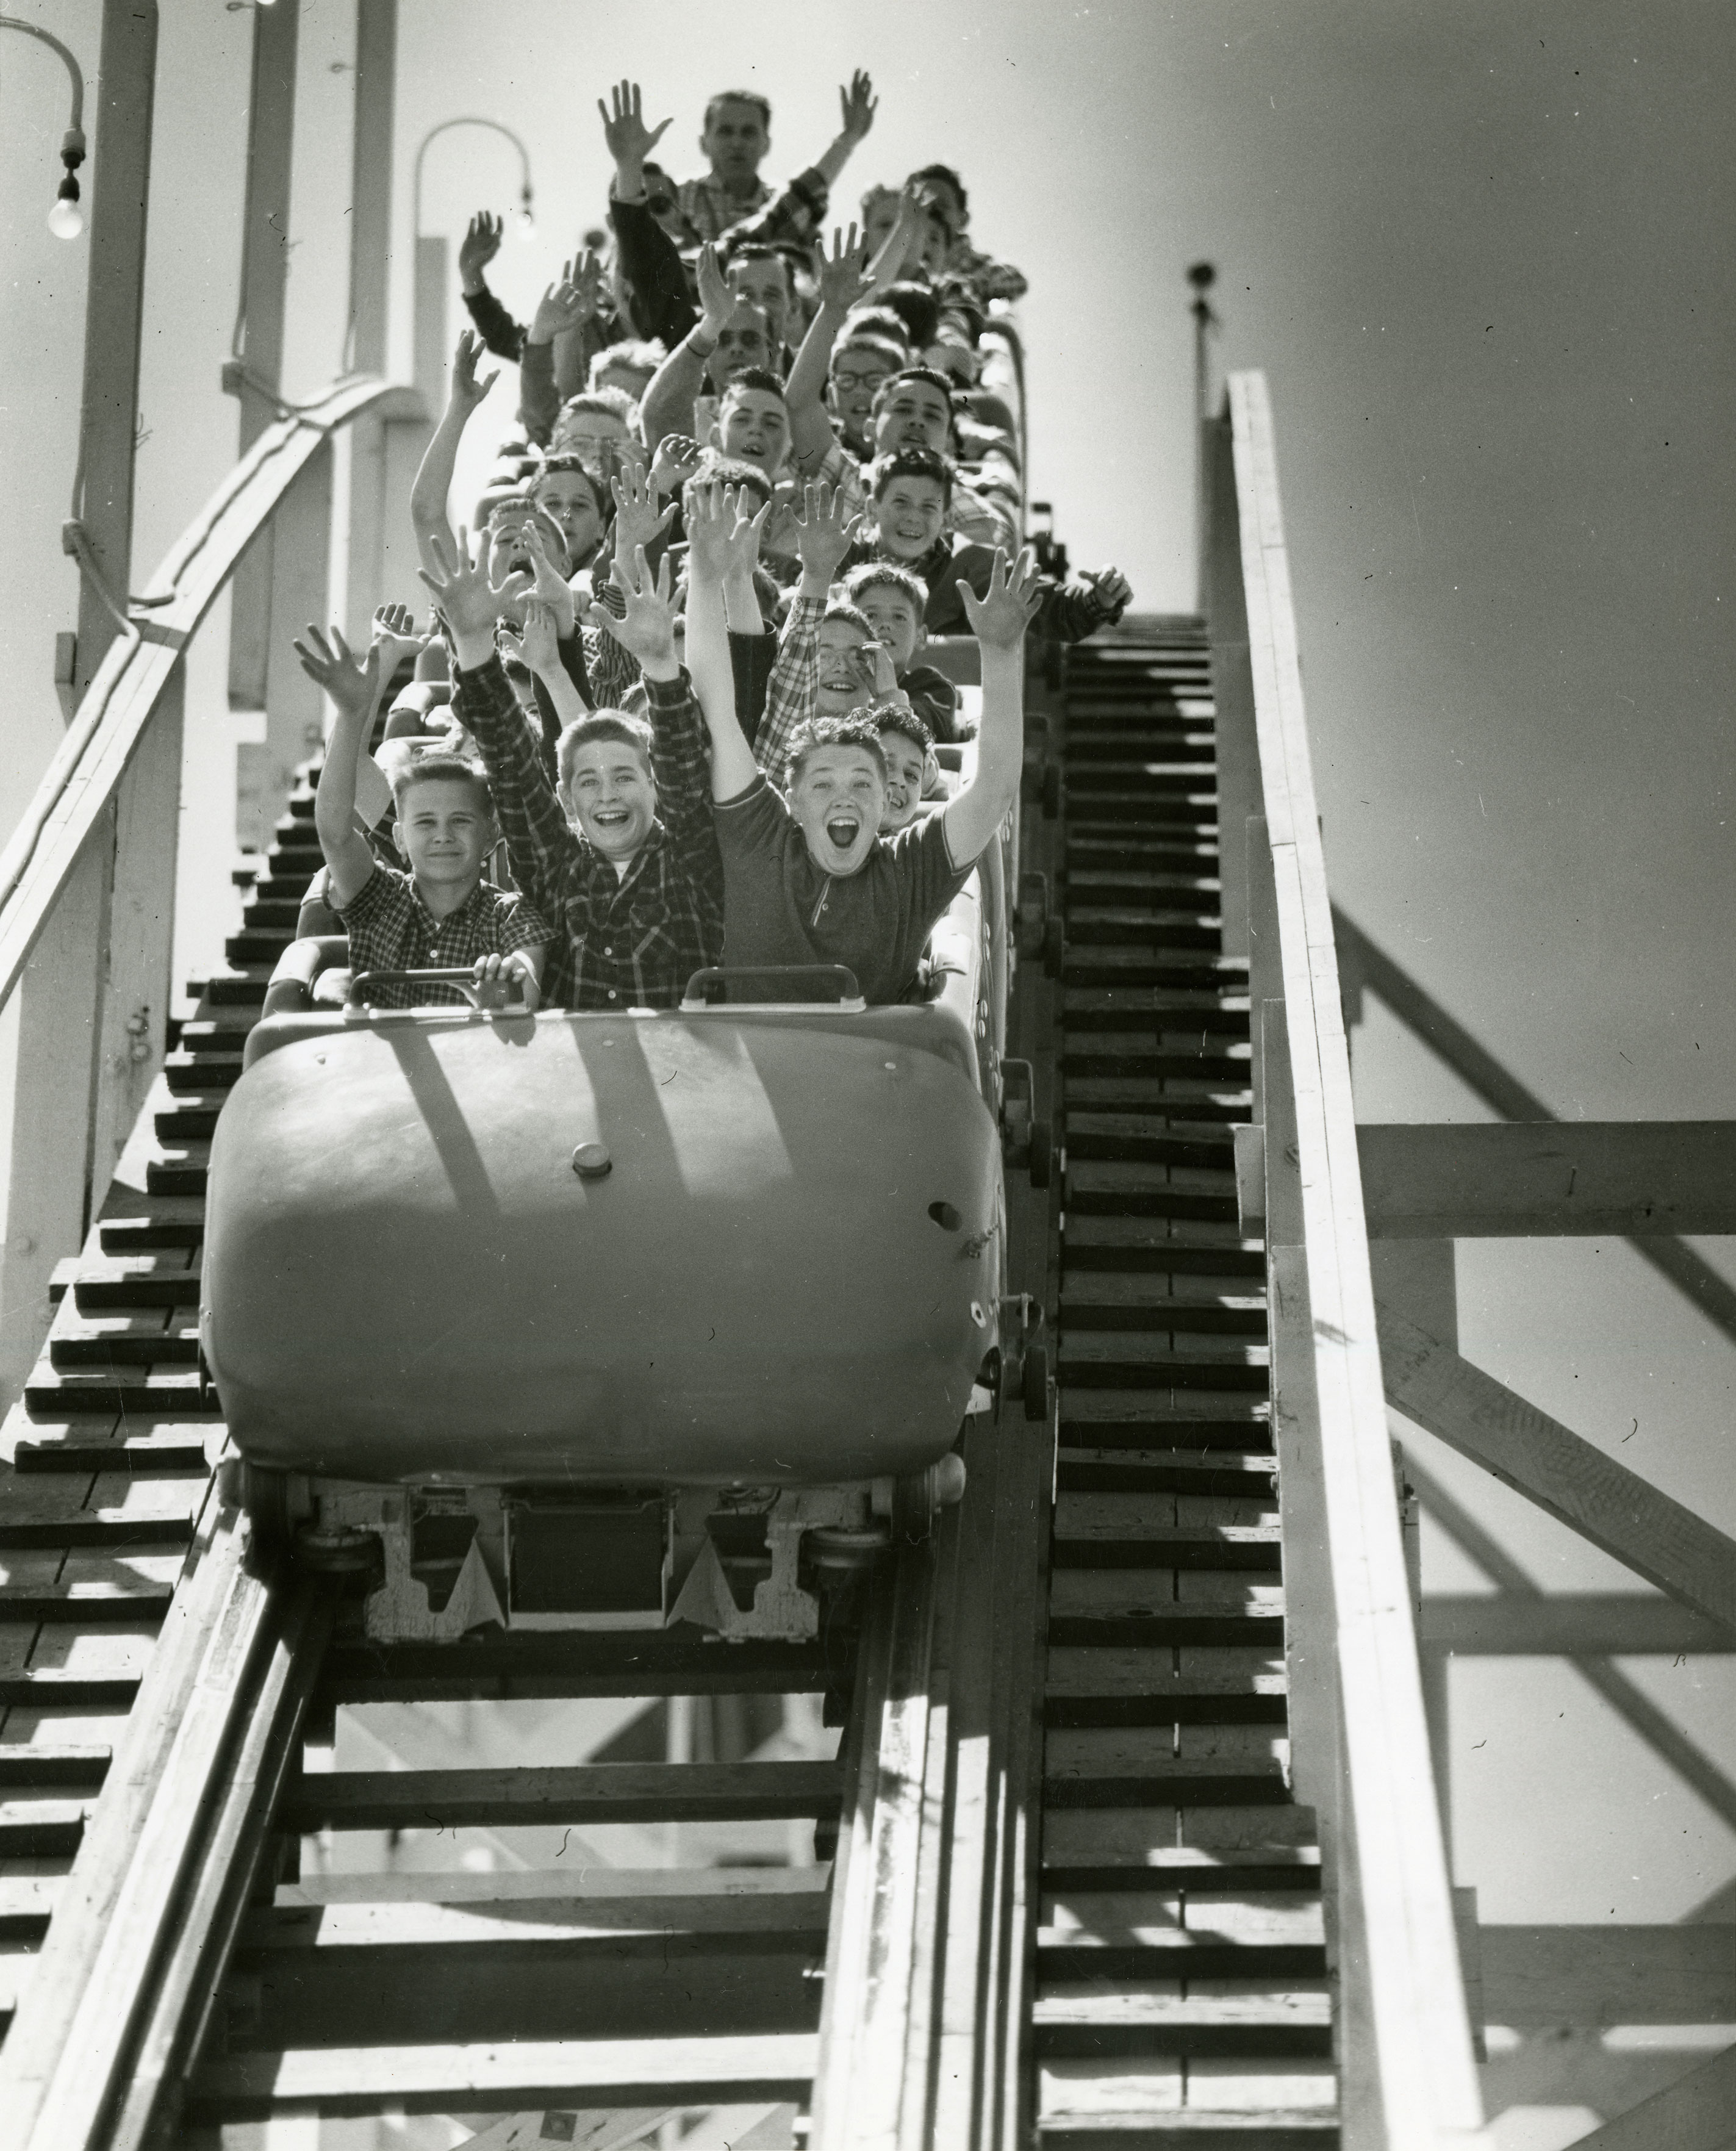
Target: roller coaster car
(608, 1320)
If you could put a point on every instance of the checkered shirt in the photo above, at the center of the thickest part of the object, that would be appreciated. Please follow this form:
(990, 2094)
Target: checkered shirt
(392, 929)
(794, 689)
(632, 942)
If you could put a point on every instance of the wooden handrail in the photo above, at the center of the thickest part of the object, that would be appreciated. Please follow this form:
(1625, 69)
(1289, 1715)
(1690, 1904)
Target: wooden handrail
(121, 700)
(1408, 2071)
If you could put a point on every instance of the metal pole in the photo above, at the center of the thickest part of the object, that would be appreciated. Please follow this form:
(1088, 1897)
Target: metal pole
(1201, 275)
(371, 183)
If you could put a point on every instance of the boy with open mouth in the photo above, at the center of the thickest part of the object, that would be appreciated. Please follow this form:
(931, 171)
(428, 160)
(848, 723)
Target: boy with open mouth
(811, 880)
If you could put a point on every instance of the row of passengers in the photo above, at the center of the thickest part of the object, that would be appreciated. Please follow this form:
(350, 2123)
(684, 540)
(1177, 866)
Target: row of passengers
(726, 870)
(658, 222)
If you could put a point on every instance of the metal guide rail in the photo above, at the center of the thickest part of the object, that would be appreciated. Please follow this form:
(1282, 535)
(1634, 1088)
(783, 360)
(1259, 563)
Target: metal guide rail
(172, 1705)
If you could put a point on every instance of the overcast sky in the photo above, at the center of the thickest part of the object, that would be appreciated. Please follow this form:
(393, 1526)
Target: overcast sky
(1481, 251)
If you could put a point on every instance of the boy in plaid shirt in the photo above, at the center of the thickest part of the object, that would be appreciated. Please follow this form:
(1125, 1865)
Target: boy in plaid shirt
(624, 855)
(440, 915)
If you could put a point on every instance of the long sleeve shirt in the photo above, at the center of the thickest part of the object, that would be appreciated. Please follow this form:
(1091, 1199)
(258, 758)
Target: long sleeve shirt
(631, 940)
(794, 689)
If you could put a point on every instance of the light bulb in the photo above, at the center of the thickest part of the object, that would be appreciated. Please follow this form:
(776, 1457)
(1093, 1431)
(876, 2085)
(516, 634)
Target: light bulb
(66, 219)
(527, 224)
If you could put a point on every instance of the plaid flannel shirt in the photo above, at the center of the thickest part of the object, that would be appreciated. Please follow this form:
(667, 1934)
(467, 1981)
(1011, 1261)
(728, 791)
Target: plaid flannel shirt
(631, 941)
(793, 213)
(392, 929)
(794, 689)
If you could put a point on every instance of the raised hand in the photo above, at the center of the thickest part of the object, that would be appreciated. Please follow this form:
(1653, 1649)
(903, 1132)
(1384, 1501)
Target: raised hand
(538, 641)
(678, 455)
(470, 602)
(570, 302)
(552, 589)
(823, 531)
(717, 303)
(709, 523)
(333, 666)
(1113, 589)
(741, 547)
(465, 388)
(841, 275)
(879, 672)
(626, 135)
(859, 104)
(636, 519)
(477, 248)
(648, 630)
(1006, 608)
(395, 637)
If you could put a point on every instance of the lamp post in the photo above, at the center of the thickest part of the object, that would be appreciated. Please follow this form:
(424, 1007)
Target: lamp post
(66, 219)
(429, 369)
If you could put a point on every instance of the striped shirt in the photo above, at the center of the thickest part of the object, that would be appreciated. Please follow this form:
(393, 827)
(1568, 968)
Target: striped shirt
(630, 941)
(392, 929)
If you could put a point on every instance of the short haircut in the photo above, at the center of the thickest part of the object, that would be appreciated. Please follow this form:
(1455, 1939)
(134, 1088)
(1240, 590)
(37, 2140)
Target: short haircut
(602, 724)
(762, 105)
(519, 497)
(441, 769)
(948, 177)
(715, 469)
(912, 463)
(630, 350)
(842, 608)
(918, 308)
(756, 250)
(894, 718)
(925, 374)
(887, 575)
(877, 321)
(813, 733)
(869, 339)
(565, 465)
(753, 376)
(601, 403)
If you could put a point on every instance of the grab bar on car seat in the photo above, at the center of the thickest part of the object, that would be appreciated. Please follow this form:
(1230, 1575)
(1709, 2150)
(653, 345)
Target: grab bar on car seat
(291, 992)
(502, 995)
(709, 986)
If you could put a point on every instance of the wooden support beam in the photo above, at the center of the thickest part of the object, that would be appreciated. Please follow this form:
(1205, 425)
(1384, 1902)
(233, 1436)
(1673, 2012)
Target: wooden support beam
(1608, 1625)
(1692, 2114)
(1558, 1469)
(1543, 1179)
(1589, 1977)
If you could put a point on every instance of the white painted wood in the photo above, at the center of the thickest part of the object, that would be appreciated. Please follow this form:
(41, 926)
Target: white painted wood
(300, 597)
(1546, 1178)
(1582, 1625)
(119, 181)
(136, 979)
(1421, 2069)
(1592, 1976)
(1568, 1476)
(47, 1189)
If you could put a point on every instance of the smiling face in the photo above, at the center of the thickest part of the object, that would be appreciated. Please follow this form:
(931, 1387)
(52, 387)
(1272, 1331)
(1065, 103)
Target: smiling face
(765, 284)
(855, 379)
(755, 425)
(443, 832)
(742, 342)
(571, 500)
(735, 141)
(906, 768)
(609, 795)
(598, 439)
(846, 675)
(915, 415)
(895, 619)
(912, 513)
(838, 801)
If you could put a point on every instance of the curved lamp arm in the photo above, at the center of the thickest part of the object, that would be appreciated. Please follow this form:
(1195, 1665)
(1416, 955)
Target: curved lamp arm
(469, 119)
(65, 221)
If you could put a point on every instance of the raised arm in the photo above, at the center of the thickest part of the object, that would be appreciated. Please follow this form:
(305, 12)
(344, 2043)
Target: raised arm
(841, 279)
(823, 538)
(433, 480)
(354, 689)
(998, 619)
(566, 306)
(711, 523)
(670, 392)
(649, 259)
(499, 332)
(857, 105)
